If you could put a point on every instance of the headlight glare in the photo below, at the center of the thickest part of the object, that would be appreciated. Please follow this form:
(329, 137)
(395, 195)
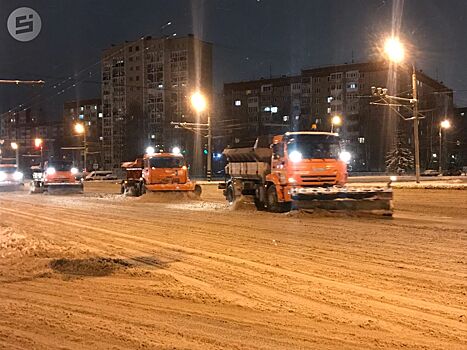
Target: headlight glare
(295, 156)
(345, 156)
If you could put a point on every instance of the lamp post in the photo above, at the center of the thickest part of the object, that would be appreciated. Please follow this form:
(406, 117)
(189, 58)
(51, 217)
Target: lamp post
(38, 143)
(15, 146)
(199, 103)
(335, 120)
(395, 52)
(445, 124)
(81, 129)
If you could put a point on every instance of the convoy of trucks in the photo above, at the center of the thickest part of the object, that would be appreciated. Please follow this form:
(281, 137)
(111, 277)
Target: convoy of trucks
(304, 169)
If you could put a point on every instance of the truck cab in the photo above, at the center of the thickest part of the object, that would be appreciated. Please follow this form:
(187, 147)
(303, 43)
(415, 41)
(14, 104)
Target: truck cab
(308, 159)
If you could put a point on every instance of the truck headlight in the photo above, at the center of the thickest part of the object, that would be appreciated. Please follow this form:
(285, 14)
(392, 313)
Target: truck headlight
(74, 171)
(50, 171)
(17, 176)
(2, 176)
(345, 156)
(295, 156)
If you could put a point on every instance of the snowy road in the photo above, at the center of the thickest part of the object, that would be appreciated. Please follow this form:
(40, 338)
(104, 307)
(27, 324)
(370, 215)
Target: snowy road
(104, 272)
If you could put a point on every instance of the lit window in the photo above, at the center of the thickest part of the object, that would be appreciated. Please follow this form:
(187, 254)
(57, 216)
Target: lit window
(274, 109)
(100, 115)
(81, 116)
(361, 140)
(238, 103)
(82, 108)
(329, 99)
(285, 118)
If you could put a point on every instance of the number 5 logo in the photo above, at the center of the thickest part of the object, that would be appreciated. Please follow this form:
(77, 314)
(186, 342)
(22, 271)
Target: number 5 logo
(24, 24)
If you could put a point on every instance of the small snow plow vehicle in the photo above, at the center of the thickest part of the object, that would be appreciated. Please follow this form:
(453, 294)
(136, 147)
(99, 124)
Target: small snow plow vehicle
(57, 176)
(158, 172)
(303, 170)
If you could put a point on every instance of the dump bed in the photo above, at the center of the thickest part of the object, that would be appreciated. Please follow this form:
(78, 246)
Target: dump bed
(248, 154)
(252, 163)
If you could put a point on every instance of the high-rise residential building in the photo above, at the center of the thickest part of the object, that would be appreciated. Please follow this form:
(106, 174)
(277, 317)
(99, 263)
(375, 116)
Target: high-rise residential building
(89, 113)
(311, 99)
(146, 85)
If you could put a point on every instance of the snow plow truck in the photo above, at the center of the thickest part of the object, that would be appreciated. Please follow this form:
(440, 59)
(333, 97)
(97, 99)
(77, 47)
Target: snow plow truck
(57, 176)
(158, 172)
(302, 170)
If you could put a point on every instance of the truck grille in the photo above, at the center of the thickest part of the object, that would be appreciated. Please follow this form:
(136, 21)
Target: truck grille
(309, 179)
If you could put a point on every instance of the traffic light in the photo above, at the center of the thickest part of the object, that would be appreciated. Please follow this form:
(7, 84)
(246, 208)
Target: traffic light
(38, 143)
(205, 151)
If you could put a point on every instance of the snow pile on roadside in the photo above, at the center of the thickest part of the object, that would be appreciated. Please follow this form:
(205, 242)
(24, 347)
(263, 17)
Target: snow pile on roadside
(441, 185)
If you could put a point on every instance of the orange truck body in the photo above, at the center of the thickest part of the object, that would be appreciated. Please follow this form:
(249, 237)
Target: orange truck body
(297, 169)
(158, 172)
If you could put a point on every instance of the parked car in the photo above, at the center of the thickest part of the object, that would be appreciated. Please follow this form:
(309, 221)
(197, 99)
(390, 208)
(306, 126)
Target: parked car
(452, 172)
(430, 172)
(100, 175)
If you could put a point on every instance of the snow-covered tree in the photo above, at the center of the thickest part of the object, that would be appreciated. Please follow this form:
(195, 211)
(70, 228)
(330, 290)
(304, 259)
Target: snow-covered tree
(400, 158)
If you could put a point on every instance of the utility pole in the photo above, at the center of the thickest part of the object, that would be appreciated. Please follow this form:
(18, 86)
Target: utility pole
(415, 125)
(209, 160)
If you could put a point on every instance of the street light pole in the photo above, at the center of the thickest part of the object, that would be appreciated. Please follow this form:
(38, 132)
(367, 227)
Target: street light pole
(85, 156)
(415, 125)
(209, 162)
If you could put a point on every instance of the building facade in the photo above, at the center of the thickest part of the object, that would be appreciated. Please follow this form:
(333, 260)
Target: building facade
(368, 128)
(146, 85)
(24, 127)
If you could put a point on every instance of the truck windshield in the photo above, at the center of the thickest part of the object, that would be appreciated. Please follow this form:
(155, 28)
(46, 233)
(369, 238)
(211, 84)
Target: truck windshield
(60, 165)
(167, 162)
(315, 146)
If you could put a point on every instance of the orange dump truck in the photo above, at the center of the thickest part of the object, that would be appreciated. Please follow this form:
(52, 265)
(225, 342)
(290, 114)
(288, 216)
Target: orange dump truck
(158, 172)
(298, 170)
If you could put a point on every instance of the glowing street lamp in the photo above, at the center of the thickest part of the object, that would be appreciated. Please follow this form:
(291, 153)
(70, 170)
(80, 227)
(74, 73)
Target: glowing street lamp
(394, 49)
(445, 124)
(81, 129)
(337, 121)
(395, 52)
(199, 103)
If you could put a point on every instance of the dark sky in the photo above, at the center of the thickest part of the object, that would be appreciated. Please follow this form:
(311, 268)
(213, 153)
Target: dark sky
(250, 37)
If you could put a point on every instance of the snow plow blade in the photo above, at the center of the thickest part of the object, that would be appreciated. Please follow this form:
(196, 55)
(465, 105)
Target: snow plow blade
(64, 188)
(358, 200)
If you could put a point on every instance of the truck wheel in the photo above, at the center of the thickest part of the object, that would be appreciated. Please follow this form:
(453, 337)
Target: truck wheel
(230, 194)
(259, 205)
(273, 205)
(142, 188)
(197, 191)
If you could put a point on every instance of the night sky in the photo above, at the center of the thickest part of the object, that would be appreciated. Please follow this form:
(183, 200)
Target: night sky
(251, 38)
